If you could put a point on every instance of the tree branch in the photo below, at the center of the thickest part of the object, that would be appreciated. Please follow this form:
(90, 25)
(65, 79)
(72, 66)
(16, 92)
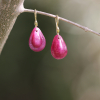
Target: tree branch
(63, 19)
(9, 11)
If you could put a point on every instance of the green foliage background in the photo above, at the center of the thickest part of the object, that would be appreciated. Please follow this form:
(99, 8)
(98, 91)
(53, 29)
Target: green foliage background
(27, 75)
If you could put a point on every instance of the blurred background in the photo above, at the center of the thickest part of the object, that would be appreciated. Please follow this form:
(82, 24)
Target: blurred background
(28, 75)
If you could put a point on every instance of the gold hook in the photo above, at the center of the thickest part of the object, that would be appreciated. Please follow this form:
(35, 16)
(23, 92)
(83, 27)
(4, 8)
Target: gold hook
(35, 15)
(57, 22)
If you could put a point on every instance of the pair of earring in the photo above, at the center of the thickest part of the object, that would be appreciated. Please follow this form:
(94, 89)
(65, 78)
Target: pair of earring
(37, 41)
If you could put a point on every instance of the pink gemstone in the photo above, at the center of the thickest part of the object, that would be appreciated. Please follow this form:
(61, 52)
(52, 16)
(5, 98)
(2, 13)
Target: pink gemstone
(37, 40)
(58, 48)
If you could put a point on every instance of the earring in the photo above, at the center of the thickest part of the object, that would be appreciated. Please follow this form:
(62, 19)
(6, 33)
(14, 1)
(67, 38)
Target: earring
(58, 47)
(37, 40)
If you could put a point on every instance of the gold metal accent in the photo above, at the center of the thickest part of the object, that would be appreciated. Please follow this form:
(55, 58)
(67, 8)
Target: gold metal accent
(57, 22)
(35, 15)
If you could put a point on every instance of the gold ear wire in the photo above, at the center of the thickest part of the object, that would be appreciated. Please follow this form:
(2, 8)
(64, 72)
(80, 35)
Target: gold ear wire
(35, 15)
(57, 22)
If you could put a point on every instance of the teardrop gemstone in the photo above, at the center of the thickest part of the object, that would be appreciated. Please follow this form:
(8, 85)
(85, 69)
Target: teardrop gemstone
(37, 40)
(58, 48)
